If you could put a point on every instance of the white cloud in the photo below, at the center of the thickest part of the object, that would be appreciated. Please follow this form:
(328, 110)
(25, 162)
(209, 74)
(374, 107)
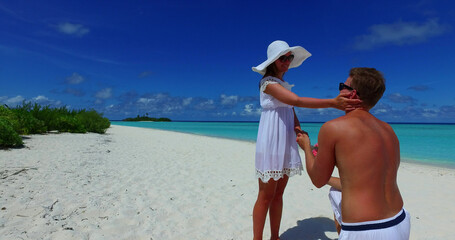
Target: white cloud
(18, 100)
(40, 98)
(326, 111)
(104, 93)
(73, 29)
(398, 98)
(206, 105)
(229, 100)
(14, 101)
(75, 78)
(187, 101)
(171, 108)
(430, 113)
(43, 100)
(379, 111)
(155, 99)
(249, 110)
(400, 33)
(144, 100)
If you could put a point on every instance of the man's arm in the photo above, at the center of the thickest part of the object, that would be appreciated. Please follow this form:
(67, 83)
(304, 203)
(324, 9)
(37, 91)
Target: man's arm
(319, 168)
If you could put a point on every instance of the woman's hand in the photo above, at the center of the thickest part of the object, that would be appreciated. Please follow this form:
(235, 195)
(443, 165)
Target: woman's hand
(343, 102)
(304, 141)
(298, 130)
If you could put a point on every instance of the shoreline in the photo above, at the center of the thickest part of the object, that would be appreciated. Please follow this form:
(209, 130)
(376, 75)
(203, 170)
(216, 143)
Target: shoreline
(428, 163)
(257, 121)
(141, 183)
(423, 161)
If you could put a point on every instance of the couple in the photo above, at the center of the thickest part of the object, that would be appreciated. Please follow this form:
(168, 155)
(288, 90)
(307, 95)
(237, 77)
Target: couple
(365, 198)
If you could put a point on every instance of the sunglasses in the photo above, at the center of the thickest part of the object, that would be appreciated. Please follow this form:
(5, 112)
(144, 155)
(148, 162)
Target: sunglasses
(344, 86)
(285, 58)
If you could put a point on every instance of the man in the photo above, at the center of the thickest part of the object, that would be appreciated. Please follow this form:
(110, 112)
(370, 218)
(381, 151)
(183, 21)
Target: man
(367, 154)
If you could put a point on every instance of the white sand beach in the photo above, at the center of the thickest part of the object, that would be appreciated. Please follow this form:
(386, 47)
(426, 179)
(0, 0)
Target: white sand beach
(135, 183)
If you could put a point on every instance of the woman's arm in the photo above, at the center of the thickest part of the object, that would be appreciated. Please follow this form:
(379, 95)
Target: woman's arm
(297, 127)
(290, 98)
(335, 183)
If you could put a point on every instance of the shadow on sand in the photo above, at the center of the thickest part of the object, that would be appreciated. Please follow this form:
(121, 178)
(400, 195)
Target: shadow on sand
(310, 229)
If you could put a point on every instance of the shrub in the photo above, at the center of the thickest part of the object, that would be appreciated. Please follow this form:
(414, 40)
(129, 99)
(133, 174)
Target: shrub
(47, 115)
(93, 121)
(28, 124)
(9, 115)
(33, 119)
(66, 123)
(8, 136)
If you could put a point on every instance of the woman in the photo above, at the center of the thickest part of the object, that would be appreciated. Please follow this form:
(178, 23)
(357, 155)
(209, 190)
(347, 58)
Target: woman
(277, 156)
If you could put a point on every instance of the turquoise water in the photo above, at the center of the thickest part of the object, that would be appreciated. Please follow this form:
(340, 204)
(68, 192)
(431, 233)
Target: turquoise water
(432, 144)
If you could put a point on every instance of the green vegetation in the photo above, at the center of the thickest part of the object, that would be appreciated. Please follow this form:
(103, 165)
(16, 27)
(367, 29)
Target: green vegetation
(146, 118)
(35, 119)
(8, 136)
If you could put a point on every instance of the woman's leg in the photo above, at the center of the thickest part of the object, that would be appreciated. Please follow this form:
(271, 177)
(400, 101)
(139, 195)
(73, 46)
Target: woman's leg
(265, 197)
(276, 208)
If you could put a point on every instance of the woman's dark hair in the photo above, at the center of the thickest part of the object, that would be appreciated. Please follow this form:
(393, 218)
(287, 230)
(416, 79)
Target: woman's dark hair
(270, 71)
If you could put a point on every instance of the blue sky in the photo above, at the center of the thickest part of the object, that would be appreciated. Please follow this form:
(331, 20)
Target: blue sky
(191, 60)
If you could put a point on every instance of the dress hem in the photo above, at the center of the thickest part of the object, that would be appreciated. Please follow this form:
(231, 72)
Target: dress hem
(277, 174)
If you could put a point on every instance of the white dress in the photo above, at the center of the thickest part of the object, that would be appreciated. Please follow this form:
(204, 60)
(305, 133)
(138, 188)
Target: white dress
(277, 152)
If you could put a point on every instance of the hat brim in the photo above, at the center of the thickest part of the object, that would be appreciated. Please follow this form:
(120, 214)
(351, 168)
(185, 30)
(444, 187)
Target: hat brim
(300, 55)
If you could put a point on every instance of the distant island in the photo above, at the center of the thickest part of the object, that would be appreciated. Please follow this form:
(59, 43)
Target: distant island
(146, 118)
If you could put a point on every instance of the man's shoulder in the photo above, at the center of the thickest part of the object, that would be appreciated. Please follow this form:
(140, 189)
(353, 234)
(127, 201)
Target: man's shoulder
(337, 121)
(387, 126)
(335, 125)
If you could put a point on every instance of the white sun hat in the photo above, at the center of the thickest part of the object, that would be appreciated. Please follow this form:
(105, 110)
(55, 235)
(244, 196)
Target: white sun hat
(279, 48)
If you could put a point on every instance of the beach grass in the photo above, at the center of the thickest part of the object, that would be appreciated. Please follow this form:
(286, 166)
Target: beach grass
(31, 118)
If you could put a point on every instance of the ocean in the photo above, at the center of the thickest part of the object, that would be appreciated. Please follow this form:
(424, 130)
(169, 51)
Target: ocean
(430, 144)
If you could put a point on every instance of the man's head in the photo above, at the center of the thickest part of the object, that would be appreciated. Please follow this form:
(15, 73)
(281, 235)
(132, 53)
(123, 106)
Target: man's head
(369, 84)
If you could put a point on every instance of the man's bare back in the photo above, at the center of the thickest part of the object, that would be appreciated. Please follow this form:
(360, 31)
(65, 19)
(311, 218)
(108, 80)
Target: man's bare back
(367, 156)
(366, 152)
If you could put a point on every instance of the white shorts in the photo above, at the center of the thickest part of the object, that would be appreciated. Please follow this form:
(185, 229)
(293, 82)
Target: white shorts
(394, 228)
(335, 201)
